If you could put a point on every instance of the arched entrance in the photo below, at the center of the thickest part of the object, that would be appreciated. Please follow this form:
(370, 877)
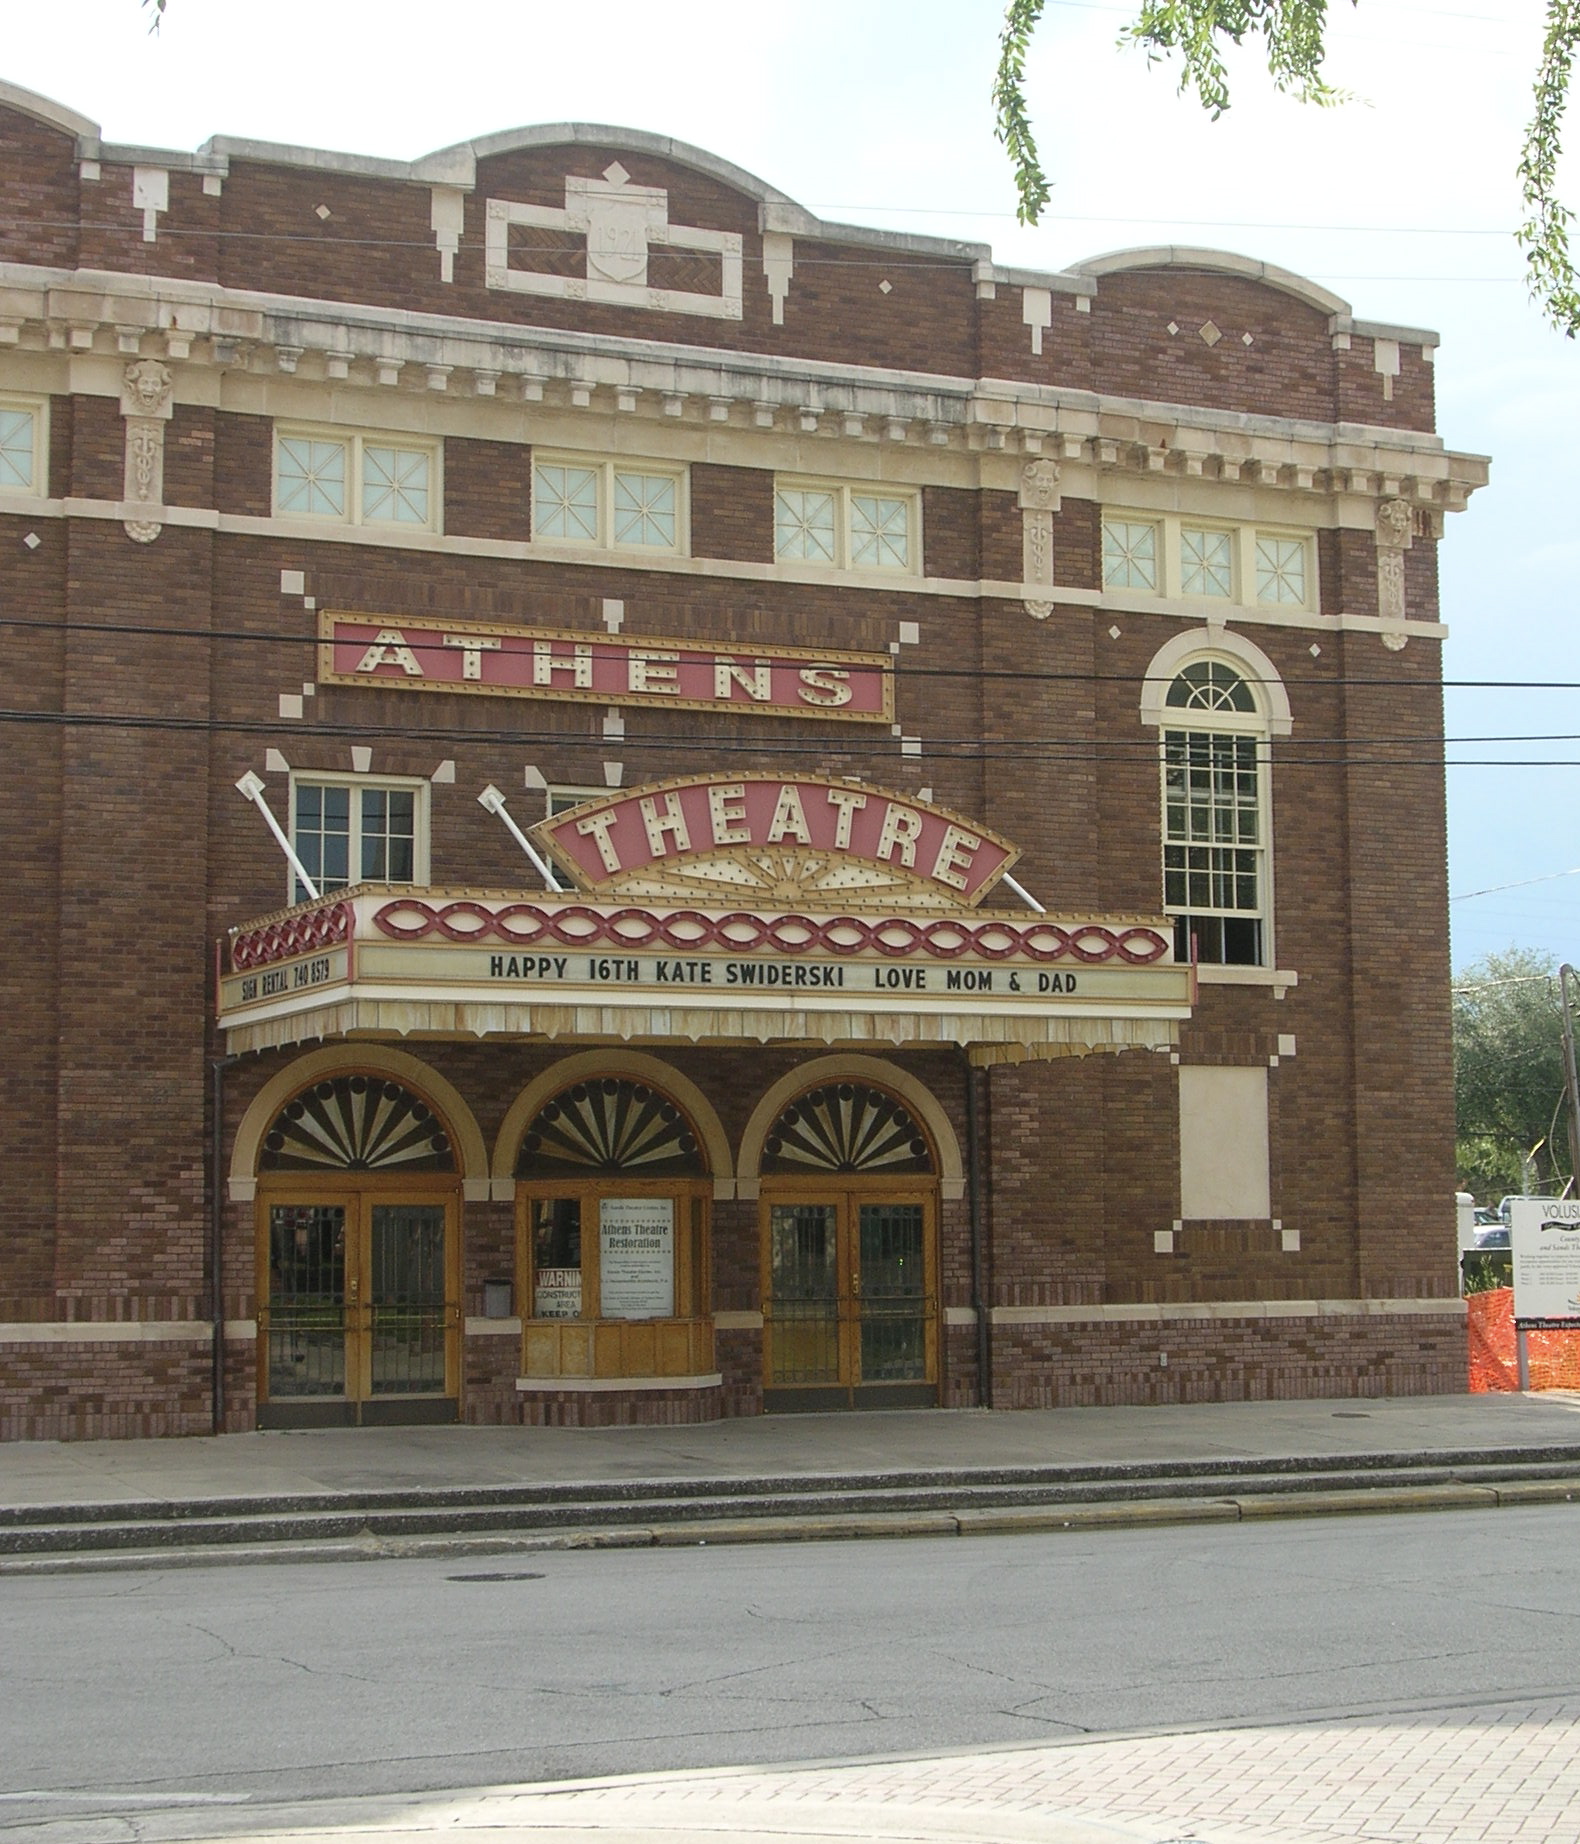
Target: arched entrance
(359, 1258)
(613, 1194)
(849, 1214)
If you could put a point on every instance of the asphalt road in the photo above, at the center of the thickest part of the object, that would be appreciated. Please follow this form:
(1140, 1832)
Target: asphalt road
(128, 1692)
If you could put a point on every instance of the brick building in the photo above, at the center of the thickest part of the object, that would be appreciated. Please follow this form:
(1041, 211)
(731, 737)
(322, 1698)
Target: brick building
(761, 717)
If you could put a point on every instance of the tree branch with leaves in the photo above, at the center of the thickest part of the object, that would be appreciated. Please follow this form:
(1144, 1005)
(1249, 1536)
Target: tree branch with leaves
(1295, 34)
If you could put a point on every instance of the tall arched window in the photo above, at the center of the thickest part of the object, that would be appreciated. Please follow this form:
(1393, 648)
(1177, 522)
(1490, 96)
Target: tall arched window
(1215, 819)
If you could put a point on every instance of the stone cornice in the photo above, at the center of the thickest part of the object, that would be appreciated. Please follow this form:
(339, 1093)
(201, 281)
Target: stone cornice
(202, 325)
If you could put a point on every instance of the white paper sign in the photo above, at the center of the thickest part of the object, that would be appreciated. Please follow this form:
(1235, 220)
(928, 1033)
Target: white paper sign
(636, 1257)
(557, 1294)
(1544, 1237)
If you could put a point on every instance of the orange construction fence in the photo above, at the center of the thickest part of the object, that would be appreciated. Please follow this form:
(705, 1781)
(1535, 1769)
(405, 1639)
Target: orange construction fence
(1494, 1362)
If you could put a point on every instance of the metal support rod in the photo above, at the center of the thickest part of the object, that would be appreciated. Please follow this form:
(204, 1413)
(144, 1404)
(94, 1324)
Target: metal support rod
(979, 1300)
(1565, 974)
(250, 787)
(494, 801)
(1522, 1352)
(1023, 893)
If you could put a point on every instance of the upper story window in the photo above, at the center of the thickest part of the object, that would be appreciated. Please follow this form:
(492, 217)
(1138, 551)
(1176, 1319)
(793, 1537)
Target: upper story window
(23, 449)
(1190, 560)
(357, 830)
(1215, 820)
(1130, 555)
(1281, 570)
(357, 479)
(608, 505)
(846, 527)
(558, 800)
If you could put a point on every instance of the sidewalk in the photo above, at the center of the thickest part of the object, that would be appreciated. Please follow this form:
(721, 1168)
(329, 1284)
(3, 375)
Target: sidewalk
(130, 1473)
(1509, 1774)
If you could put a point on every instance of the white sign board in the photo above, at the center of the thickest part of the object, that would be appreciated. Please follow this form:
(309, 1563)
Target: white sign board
(636, 1257)
(1544, 1236)
(557, 1294)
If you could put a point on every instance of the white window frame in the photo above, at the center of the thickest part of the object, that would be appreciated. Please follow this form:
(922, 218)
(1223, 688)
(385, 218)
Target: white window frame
(560, 797)
(1182, 720)
(357, 784)
(355, 442)
(37, 486)
(1170, 528)
(843, 493)
(605, 468)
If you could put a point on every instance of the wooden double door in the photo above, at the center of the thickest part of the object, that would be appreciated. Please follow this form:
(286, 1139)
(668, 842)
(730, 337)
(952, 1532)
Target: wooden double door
(358, 1304)
(850, 1295)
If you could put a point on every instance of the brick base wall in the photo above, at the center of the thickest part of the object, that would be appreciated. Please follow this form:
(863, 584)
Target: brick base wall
(1228, 1360)
(105, 1391)
(621, 1408)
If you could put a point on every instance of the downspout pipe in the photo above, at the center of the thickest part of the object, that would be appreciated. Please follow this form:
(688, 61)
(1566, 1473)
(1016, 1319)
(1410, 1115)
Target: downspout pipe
(979, 1303)
(216, 1239)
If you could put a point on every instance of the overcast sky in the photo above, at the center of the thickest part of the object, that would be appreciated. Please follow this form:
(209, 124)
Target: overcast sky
(1403, 201)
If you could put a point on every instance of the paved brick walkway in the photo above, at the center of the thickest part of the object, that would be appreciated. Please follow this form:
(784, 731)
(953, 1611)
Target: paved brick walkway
(1506, 1773)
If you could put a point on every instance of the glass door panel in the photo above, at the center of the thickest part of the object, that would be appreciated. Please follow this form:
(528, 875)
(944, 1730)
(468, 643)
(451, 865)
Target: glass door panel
(407, 1309)
(892, 1304)
(803, 1305)
(307, 1300)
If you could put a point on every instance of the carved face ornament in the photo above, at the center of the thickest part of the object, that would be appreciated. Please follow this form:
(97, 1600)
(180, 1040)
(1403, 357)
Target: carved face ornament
(148, 384)
(1039, 486)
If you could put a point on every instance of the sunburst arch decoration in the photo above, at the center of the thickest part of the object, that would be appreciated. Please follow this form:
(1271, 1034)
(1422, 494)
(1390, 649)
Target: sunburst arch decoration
(610, 1124)
(846, 1127)
(357, 1124)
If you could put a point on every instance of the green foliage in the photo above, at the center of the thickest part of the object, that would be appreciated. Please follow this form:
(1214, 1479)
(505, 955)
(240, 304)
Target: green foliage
(1295, 35)
(1012, 124)
(1196, 29)
(1509, 1074)
(1482, 1273)
(1545, 233)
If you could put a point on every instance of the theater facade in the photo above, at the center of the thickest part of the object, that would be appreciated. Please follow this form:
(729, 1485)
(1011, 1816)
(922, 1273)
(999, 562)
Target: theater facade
(625, 805)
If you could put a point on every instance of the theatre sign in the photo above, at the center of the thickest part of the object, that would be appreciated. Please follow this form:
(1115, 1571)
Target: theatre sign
(720, 909)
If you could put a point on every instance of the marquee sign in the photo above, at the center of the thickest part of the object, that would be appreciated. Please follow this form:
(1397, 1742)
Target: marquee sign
(753, 908)
(494, 659)
(460, 962)
(787, 838)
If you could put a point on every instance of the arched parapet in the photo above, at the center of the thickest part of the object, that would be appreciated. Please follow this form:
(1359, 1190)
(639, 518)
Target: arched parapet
(591, 1065)
(852, 1067)
(1216, 643)
(46, 110)
(1217, 262)
(358, 1059)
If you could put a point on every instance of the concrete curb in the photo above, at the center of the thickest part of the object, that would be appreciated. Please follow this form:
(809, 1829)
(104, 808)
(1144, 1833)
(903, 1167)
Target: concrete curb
(700, 1532)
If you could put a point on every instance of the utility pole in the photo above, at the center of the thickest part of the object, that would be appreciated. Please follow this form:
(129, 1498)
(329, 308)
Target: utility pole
(1565, 974)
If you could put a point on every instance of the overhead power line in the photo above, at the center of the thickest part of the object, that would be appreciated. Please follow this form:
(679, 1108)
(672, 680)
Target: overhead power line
(1340, 753)
(1524, 883)
(897, 664)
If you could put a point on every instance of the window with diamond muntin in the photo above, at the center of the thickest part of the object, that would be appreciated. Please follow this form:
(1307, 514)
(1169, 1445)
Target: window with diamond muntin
(1130, 555)
(845, 527)
(608, 505)
(1183, 557)
(20, 448)
(356, 479)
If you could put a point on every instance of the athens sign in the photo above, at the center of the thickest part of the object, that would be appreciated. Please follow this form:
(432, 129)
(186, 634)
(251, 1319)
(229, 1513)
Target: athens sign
(494, 659)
